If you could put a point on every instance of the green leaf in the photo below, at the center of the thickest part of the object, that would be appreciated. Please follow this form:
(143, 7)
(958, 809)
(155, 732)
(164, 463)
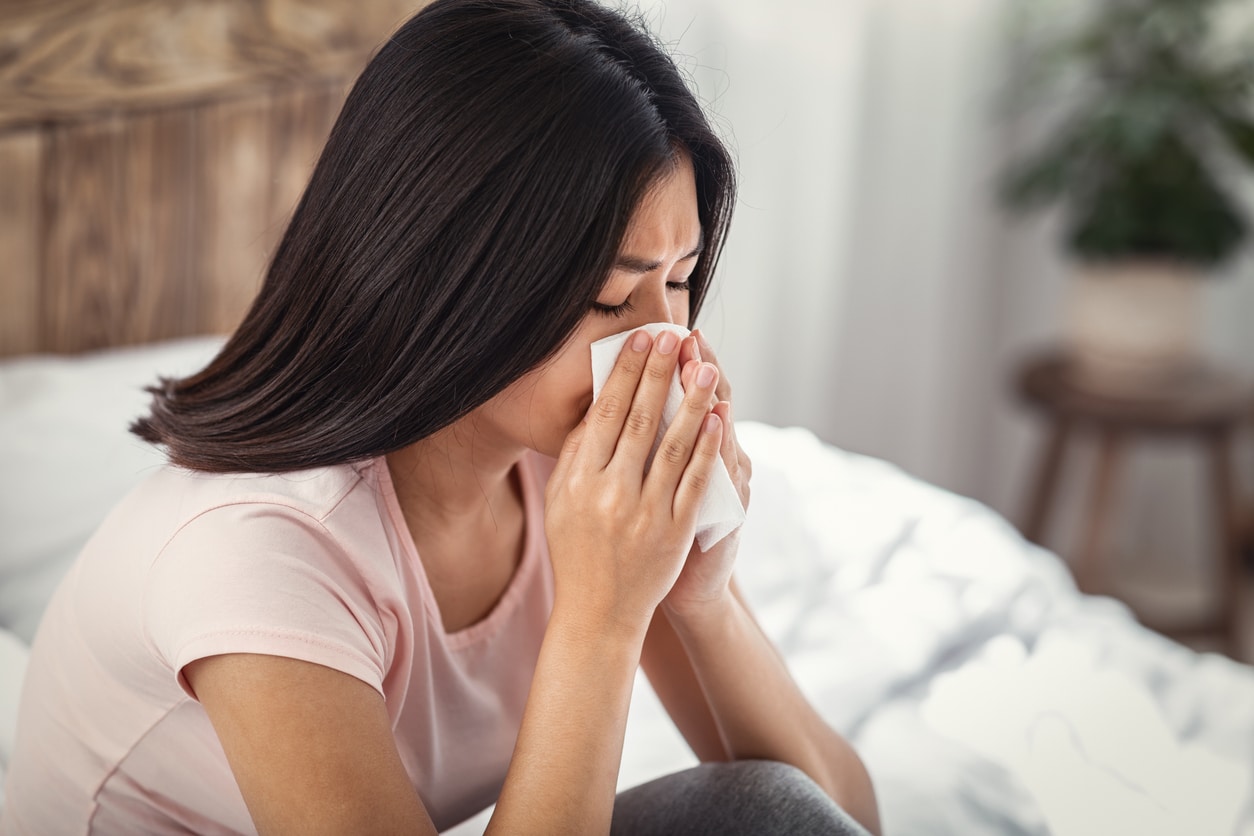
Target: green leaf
(1133, 163)
(1239, 131)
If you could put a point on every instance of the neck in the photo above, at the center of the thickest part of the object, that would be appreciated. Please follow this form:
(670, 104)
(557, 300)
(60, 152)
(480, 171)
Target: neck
(455, 480)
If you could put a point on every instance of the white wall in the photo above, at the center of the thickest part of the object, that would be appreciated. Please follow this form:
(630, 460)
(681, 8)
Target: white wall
(871, 290)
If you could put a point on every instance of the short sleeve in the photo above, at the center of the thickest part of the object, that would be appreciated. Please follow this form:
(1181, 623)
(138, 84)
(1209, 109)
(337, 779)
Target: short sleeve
(267, 579)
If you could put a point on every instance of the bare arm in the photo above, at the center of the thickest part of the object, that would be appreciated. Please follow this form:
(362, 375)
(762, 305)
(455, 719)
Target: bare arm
(752, 702)
(326, 762)
(617, 541)
(665, 662)
(564, 772)
(719, 676)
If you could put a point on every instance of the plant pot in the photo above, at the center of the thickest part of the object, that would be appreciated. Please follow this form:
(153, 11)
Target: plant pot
(1131, 325)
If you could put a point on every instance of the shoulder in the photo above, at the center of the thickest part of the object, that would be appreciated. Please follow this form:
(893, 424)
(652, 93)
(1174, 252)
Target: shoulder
(328, 520)
(176, 505)
(314, 493)
(316, 528)
(267, 563)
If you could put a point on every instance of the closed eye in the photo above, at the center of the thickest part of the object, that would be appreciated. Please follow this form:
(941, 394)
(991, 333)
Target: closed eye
(626, 307)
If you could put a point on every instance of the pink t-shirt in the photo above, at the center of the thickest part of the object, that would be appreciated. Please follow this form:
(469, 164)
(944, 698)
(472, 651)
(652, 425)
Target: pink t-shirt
(315, 565)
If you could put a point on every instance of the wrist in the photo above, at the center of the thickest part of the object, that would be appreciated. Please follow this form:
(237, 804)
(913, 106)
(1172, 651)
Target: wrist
(704, 614)
(600, 627)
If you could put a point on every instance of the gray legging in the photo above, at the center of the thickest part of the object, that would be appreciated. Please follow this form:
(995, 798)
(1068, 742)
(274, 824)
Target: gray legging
(741, 797)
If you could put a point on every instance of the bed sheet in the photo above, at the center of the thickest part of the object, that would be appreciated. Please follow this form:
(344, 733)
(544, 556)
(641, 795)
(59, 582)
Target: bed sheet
(984, 693)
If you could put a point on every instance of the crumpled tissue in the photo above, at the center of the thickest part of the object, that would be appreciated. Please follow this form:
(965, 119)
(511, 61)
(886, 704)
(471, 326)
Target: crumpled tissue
(721, 512)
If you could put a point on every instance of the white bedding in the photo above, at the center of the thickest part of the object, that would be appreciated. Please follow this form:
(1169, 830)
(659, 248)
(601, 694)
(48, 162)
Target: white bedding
(984, 693)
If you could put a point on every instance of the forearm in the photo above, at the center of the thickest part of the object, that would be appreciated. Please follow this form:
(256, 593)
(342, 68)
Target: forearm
(759, 710)
(564, 771)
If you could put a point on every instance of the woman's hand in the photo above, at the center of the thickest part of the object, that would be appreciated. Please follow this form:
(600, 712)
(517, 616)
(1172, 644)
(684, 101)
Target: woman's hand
(706, 576)
(618, 538)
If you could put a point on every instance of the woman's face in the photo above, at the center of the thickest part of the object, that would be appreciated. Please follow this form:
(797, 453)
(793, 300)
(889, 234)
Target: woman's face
(648, 284)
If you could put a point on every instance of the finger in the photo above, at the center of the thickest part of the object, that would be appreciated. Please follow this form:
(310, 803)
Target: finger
(688, 351)
(699, 472)
(708, 355)
(675, 451)
(686, 380)
(729, 451)
(644, 418)
(689, 354)
(739, 466)
(606, 416)
(687, 370)
(570, 448)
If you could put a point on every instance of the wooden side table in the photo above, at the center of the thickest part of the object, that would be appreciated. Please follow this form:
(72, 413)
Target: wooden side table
(1206, 403)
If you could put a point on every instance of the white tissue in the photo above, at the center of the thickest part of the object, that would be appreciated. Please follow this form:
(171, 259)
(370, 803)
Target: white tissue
(721, 512)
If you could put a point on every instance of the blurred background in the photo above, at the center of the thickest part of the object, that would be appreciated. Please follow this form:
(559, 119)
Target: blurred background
(881, 286)
(877, 288)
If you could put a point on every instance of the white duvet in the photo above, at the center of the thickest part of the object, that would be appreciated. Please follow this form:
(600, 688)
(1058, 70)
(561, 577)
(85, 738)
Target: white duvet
(985, 695)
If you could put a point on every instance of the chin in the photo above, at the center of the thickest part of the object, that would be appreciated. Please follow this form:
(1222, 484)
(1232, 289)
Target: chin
(549, 432)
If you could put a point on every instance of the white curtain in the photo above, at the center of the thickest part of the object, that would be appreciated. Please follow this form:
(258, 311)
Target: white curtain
(871, 289)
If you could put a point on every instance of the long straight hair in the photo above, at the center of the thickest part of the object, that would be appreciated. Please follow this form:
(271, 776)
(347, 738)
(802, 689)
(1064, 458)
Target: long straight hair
(464, 215)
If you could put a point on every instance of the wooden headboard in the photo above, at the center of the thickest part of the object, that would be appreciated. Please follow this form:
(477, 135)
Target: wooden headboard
(151, 152)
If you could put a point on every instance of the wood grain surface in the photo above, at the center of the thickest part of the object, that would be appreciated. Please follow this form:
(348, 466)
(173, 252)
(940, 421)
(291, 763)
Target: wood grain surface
(233, 177)
(20, 234)
(83, 289)
(62, 59)
(151, 153)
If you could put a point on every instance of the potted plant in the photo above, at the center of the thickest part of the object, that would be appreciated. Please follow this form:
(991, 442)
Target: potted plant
(1141, 156)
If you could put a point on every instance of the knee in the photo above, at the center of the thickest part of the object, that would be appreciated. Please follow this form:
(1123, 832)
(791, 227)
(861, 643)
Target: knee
(777, 797)
(756, 797)
(767, 784)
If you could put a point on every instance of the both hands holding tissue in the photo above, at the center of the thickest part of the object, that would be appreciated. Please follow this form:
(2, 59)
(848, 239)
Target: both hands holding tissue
(654, 463)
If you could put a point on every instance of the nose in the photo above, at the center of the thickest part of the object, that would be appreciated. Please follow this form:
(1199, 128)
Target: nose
(661, 305)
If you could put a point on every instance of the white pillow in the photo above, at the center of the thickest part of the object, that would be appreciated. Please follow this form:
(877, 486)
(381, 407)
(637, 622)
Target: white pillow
(67, 458)
(13, 656)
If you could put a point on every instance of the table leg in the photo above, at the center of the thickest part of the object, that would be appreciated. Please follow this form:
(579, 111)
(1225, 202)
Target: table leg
(1246, 532)
(1231, 575)
(1045, 486)
(1090, 574)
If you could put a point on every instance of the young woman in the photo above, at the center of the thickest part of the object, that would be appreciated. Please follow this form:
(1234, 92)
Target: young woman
(401, 566)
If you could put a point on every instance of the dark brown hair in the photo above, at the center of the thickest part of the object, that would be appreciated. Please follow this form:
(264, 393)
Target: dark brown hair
(462, 219)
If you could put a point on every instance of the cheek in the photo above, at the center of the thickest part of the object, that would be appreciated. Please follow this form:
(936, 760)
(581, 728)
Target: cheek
(679, 309)
(569, 385)
(543, 406)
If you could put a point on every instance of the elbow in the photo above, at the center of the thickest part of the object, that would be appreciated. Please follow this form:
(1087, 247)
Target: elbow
(854, 792)
(863, 809)
(845, 779)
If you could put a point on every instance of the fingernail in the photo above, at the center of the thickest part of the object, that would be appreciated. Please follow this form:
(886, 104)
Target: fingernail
(640, 341)
(696, 348)
(706, 375)
(711, 423)
(666, 342)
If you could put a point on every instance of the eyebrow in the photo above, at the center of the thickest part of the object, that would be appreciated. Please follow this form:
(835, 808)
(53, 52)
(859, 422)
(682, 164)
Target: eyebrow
(635, 264)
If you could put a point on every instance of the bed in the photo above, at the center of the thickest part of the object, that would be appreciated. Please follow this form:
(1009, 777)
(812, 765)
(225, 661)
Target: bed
(986, 695)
